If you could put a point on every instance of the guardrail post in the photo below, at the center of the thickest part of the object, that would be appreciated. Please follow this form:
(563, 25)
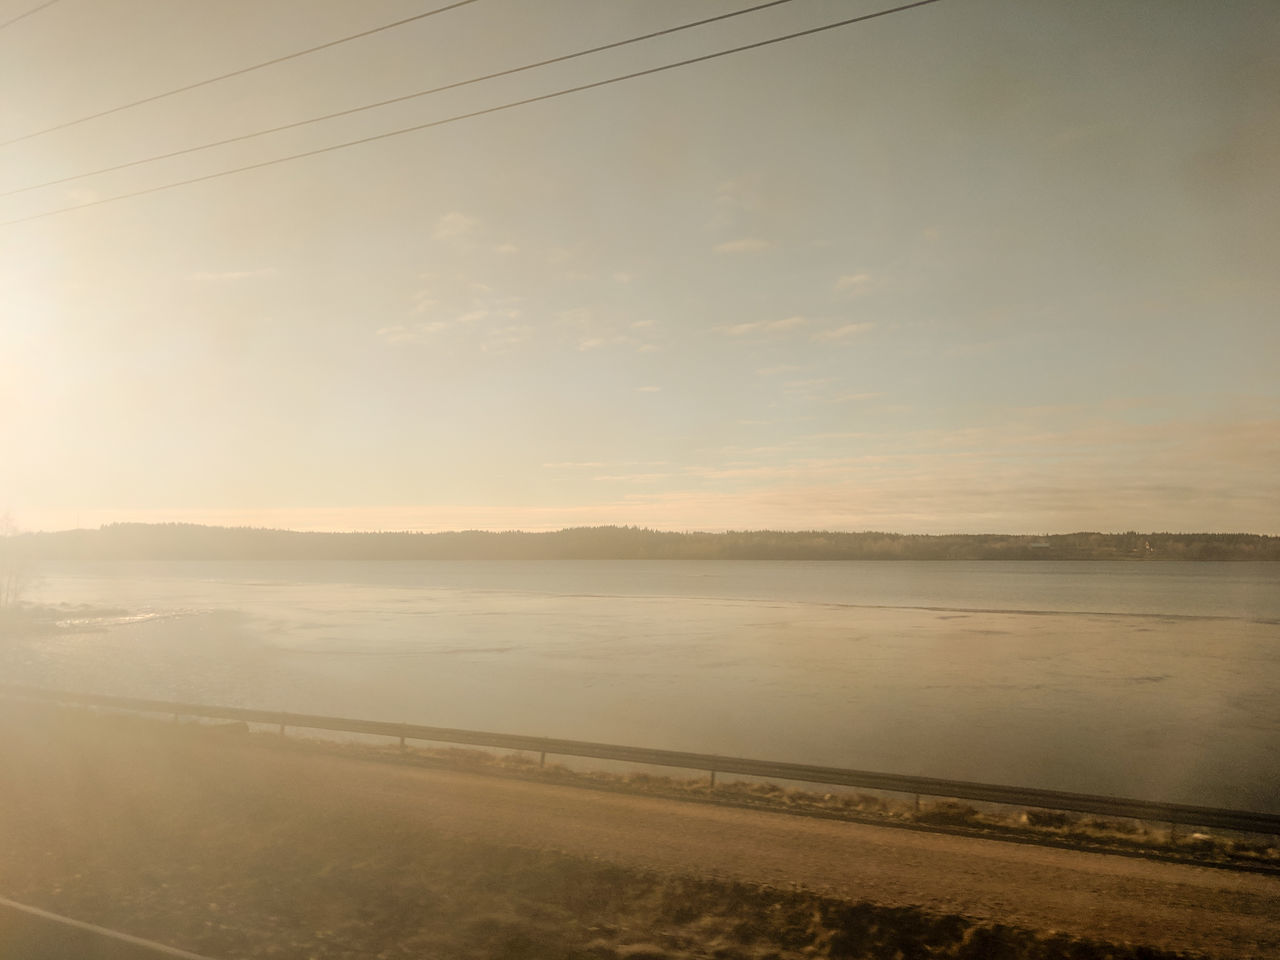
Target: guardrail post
(713, 779)
(542, 759)
(282, 729)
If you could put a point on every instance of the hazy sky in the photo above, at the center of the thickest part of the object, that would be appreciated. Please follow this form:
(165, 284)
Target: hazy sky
(986, 265)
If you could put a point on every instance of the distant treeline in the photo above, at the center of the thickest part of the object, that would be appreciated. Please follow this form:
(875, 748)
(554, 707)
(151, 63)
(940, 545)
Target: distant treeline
(136, 541)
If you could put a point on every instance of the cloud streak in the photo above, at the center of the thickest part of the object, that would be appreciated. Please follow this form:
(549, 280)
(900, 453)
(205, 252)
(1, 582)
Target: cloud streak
(843, 332)
(232, 276)
(762, 326)
(742, 245)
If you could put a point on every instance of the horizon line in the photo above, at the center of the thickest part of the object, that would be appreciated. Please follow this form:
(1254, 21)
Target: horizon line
(645, 529)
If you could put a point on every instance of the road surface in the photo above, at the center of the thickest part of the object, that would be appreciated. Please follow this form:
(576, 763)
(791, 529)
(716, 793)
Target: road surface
(73, 780)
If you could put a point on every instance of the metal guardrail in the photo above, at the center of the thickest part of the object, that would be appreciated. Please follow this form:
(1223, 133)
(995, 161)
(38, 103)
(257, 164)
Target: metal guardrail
(1174, 813)
(30, 933)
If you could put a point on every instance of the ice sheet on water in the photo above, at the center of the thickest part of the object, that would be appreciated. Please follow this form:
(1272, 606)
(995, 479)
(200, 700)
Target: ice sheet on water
(926, 669)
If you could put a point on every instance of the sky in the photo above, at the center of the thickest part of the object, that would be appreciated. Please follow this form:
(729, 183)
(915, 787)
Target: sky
(979, 266)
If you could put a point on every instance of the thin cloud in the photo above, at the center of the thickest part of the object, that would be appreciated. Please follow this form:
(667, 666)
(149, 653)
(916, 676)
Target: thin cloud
(579, 317)
(739, 193)
(854, 397)
(762, 326)
(854, 284)
(811, 389)
(843, 332)
(601, 464)
(505, 337)
(233, 275)
(775, 371)
(744, 245)
(416, 333)
(632, 477)
(454, 225)
(591, 331)
(423, 300)
(616, 340)
(648, 389)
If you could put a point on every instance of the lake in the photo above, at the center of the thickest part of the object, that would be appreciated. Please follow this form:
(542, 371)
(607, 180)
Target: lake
(1153, 680)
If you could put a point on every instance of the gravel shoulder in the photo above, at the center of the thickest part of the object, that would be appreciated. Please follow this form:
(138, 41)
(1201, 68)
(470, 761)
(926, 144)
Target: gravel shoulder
(203, 838)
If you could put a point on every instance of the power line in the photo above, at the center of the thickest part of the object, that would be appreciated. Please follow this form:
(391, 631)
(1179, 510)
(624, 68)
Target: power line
(400, 99)
(233, 73)
(12, 20)
(478, 113)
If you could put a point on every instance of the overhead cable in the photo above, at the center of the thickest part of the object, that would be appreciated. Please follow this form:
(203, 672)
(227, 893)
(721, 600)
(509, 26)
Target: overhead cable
(383, 103)
(12, 20)
(233, 73)
(478, 113)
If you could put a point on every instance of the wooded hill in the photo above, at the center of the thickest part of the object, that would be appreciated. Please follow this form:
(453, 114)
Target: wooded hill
(134, 541)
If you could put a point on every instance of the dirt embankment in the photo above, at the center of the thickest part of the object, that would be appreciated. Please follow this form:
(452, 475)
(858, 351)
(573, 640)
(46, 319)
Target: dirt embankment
(240, 849)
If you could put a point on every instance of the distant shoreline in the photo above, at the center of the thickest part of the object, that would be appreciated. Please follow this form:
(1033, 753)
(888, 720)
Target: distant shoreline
(130, 541)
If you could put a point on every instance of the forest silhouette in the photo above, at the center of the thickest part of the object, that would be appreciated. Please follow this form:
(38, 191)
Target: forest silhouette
(177, 541)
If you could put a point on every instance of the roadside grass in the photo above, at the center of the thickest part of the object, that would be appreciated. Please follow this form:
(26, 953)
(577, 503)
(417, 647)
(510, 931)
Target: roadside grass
(1054, 827)
(1136, 837)
(256, 874)
(1057, 827)
(472, 901)
(1249, 851)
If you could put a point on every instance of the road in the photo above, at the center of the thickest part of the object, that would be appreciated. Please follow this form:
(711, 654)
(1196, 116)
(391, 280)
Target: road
(1177, 907)
(1093, 895)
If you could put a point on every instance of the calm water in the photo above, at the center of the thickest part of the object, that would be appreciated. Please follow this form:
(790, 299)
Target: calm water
(1156, 680)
